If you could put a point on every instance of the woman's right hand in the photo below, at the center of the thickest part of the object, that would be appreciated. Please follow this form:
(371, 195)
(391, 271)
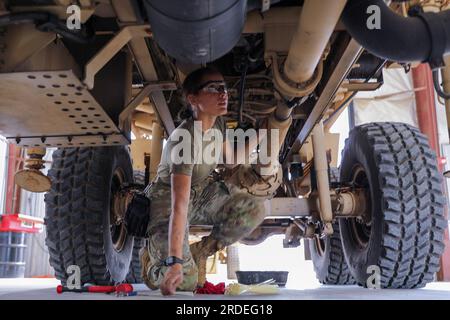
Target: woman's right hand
(172, 279)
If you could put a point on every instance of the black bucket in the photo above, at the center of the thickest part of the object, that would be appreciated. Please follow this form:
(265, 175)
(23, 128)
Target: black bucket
(255, 277)
(12, 254)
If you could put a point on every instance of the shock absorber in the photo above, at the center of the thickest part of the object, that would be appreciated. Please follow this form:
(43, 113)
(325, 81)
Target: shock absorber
(31, 178)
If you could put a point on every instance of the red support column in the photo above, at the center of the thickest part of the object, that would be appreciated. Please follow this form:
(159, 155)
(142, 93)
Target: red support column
(426, 114)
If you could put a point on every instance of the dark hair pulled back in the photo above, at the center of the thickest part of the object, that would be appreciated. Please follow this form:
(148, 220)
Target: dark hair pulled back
(191, 86)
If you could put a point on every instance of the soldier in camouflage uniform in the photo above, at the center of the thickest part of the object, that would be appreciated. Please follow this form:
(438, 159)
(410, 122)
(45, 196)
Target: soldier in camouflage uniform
(232, 212)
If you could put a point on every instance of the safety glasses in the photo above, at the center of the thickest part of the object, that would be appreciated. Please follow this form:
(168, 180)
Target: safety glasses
(214, 87)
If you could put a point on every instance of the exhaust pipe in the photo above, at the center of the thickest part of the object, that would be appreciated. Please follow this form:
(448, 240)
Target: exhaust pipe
(316, 24)
(303, 67)
(425, 37)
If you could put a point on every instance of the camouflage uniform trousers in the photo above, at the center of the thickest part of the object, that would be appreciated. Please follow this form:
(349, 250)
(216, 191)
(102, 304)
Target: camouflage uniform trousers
(233, 214)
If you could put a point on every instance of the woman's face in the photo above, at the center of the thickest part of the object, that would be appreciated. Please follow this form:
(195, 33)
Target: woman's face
(212, 99)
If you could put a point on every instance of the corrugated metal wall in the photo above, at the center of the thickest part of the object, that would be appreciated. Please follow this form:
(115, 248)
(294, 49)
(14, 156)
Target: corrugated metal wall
(3, 168)
(37, 258)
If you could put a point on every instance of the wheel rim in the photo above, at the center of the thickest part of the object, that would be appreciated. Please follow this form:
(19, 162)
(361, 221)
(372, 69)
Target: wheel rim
(117, 212)
(360, 228)
(320, 245)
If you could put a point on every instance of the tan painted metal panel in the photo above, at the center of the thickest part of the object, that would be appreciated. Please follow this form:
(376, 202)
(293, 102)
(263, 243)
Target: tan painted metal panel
(53, 108)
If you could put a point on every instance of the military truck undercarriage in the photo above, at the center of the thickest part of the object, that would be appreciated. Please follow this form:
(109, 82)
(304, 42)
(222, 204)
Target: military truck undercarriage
(294, 64)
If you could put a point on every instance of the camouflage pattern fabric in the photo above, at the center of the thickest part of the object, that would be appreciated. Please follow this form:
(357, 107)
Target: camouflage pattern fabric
(232, 213)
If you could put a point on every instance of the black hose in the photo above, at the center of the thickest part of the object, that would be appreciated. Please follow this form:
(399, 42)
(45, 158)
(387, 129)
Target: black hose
(425, 37)
(23, 17)
(437, 86)
(242, 93)
(48, 22)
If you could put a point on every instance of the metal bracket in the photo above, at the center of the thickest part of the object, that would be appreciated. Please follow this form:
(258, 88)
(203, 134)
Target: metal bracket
(14, 53)
(362, 86)
(96, 63)
(289, 88)
(292, 236)
(58, 10)
(265, 5)
(125, 115)
(350, 55)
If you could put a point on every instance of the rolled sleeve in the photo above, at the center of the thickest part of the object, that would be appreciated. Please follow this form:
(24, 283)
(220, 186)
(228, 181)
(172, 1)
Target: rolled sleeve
(185, 169)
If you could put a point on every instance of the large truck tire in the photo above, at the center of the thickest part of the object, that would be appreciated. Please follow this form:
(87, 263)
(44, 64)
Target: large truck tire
(329, 261)
(82, 229)
(402, 234)
(134, 274)
(327, 254)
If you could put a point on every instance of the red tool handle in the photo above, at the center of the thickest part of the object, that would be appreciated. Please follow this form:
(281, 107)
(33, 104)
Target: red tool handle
(94, 289)
(124, 288)
(101, 289)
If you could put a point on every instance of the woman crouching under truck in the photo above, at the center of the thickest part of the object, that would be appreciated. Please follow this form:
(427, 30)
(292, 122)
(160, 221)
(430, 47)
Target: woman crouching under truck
(184, 194)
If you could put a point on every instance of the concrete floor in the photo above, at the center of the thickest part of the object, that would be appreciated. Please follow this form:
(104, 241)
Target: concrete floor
(45, 289)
